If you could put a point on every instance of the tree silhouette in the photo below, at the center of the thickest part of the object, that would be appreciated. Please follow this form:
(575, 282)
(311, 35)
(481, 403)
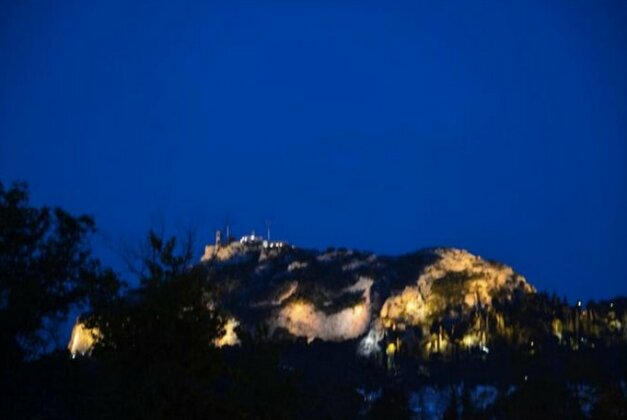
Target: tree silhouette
(46, 266)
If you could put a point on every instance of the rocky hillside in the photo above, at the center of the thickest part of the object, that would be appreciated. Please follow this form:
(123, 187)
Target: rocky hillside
(435, 301)
(342, 294)
(353, 333)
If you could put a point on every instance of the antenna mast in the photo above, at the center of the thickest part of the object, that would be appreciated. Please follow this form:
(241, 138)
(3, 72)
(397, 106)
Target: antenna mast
(227, 229)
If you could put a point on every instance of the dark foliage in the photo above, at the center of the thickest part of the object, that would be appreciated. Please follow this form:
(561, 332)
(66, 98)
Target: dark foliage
(545, 398)
(45, 267)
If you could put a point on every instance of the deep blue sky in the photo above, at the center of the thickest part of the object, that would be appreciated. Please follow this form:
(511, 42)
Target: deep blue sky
(500, 127)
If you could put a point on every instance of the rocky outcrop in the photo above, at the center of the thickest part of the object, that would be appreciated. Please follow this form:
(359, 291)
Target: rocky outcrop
(457, 277)
(342, 294)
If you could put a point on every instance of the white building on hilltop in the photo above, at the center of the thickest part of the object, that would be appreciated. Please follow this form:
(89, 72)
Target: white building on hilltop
(224, 251)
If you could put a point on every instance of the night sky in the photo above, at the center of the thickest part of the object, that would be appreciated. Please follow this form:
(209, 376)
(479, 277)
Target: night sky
(499, 127)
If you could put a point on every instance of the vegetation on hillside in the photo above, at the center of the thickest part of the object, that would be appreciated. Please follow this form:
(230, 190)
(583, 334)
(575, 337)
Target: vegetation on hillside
(156, 355)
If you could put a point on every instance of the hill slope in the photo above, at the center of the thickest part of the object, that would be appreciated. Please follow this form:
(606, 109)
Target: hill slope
(343, 294)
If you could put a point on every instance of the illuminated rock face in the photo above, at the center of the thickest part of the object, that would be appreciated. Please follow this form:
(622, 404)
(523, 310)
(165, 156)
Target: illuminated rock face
(303, 319)
(457, 277)
(82, 340)
(222, 253)
(369, 344)
(229, 338)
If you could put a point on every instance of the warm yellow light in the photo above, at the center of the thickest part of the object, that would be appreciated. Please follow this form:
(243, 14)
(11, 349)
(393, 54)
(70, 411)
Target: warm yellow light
(299, 308)
(83, 339)
(411, 306)
(229, 338)
(470, 340)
